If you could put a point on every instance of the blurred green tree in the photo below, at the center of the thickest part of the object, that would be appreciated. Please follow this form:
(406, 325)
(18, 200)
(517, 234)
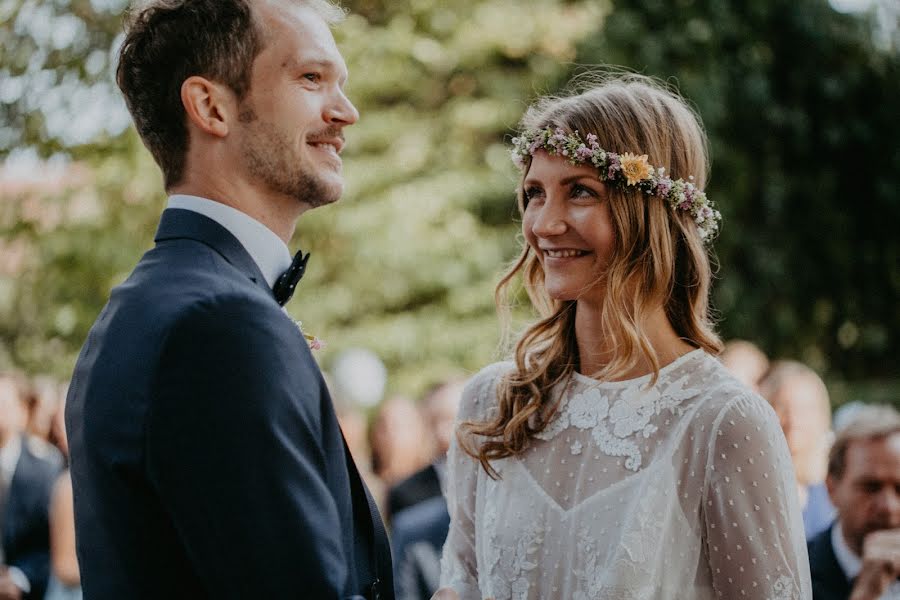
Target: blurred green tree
(797, 99)
(405, 264)
(801, 109)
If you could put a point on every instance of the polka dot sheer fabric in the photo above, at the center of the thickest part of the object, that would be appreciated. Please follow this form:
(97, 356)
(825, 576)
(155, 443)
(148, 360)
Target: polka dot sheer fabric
(680, 490)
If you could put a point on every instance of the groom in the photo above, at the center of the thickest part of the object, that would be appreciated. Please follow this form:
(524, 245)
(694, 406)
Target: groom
(206, 458)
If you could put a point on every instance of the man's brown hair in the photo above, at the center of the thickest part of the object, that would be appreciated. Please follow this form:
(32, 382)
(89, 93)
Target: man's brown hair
(869, 423)
(168, 41)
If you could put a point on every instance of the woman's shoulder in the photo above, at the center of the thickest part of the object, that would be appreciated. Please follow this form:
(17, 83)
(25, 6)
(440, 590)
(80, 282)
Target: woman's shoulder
(480, 393)
(725, 398)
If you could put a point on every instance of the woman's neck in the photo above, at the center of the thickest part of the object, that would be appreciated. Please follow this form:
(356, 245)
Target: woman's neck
(596, 350)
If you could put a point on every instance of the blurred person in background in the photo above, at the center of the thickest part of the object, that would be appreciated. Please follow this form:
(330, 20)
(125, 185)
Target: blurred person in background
(417, 504)
(745, 361)
(27, 475)
(858, 556)
(398, 440)
(801, 401)
(43, 399)
(439, 408)
(65, 577)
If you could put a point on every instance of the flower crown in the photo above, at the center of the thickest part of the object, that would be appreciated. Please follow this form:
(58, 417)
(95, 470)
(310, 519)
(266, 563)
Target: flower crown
(623, 171)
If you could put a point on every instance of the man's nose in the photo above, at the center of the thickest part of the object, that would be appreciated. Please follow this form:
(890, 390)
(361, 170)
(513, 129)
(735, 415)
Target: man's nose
(888, 504)
(341, 110)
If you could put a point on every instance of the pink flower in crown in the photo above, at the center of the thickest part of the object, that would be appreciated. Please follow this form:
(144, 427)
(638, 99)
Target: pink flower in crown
(612, 160)
(663, 187)
(583, 153)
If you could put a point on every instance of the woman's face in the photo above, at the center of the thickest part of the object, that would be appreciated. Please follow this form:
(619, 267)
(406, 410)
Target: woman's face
(567, 223)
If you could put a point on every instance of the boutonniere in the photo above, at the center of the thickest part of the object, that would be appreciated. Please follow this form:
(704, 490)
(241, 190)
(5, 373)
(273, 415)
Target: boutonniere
(314, 342)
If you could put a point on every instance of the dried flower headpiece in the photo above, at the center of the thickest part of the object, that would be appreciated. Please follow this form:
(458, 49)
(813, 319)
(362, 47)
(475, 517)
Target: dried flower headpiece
(623, 171)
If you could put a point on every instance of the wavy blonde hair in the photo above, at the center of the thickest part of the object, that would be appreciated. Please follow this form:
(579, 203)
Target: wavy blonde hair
(658, 259)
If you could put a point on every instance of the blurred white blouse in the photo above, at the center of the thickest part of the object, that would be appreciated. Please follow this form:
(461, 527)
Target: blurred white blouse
(681, 490)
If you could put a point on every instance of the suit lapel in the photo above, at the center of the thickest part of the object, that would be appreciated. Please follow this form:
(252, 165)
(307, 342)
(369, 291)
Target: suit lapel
(179, 223)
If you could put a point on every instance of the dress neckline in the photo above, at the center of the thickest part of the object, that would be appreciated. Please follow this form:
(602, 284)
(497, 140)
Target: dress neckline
(664, 370)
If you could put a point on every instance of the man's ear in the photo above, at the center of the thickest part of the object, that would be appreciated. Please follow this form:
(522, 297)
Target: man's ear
(209, 106)
(831, 485)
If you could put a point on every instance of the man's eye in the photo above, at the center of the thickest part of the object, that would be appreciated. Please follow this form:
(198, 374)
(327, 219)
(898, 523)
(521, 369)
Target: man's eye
(314, 77)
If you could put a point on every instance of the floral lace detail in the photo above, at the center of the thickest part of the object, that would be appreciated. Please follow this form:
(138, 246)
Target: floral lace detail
(612, 425)
(508, 564)
(784, 589)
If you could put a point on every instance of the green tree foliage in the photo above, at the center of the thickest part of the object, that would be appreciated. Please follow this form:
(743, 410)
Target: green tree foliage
(796, 98)
(801, 110)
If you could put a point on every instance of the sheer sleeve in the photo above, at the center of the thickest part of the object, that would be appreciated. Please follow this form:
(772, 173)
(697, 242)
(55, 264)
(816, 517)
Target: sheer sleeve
(458, 565)
(754, 530)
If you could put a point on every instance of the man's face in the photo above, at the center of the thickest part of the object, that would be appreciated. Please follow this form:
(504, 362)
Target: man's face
(867, 496)
(290, 130)
(12, 410)
(804, 417)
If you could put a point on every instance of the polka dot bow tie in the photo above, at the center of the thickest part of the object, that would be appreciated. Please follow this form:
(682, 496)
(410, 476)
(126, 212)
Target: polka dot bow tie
(287, 281)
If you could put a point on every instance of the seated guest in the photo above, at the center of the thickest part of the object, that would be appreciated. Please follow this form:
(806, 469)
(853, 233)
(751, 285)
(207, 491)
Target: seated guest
(858, 557)
(418, 538)
(27, 474)
(800, 400)
(439, 412)
(398, 440)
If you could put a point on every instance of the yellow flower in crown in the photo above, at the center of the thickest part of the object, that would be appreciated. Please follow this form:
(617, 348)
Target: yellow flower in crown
(634, 168)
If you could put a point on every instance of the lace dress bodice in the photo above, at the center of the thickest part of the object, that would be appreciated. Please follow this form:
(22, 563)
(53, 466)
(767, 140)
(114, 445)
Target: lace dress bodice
(680, 490)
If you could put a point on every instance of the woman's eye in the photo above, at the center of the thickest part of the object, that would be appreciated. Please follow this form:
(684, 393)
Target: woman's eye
(313, 77)
(580, 191)
(530, 193)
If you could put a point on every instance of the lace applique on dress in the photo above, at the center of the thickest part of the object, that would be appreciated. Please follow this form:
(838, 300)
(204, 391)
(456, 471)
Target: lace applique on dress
(784, 589)
(508, 565)
(612, 425)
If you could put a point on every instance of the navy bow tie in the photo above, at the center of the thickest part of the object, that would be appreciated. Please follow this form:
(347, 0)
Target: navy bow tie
(287, 282)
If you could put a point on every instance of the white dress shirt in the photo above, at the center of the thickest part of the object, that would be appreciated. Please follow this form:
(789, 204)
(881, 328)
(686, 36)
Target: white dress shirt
(851, 564)
(266, 249)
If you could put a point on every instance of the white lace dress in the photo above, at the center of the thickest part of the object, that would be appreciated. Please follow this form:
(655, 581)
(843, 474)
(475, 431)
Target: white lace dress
(683, 490)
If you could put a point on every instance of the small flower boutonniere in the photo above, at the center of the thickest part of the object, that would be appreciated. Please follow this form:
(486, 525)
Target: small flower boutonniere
(315, 343)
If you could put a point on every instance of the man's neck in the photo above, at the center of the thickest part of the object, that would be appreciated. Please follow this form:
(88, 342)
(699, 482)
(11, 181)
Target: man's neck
(279, 214)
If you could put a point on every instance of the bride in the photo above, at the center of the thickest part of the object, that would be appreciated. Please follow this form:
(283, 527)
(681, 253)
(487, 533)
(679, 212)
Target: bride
(614, 457)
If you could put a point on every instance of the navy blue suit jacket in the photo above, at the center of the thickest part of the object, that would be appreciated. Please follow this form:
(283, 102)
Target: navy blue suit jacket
(26, 529)
(206, 458)
(828, 579)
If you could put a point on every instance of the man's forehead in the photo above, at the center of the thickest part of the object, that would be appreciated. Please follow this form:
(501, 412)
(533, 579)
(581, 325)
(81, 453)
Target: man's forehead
(879, 456)
(299, 33)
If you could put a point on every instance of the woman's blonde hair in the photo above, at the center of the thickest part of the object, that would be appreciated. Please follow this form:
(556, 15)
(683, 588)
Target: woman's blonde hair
(658, 258)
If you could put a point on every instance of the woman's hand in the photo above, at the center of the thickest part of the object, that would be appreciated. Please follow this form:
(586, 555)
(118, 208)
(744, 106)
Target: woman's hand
(445, 594)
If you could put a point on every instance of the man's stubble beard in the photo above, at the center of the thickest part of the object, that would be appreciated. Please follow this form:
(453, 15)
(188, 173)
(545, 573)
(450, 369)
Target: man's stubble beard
(267, 155)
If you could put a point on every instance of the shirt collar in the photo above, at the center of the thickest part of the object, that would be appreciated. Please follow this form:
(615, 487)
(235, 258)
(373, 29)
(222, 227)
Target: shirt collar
(850, 563)
(266, 249)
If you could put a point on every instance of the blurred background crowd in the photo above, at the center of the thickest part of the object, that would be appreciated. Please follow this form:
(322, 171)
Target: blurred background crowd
(799, 98)
(400, 444)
